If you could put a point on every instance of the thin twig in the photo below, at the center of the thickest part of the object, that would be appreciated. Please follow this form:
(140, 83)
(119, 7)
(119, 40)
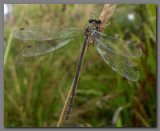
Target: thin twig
(65, 106)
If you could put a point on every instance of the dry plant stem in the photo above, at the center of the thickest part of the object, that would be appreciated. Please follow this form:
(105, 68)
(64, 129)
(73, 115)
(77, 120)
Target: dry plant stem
(65, 106)
(104, 17)
(107, 12)
(66, 102)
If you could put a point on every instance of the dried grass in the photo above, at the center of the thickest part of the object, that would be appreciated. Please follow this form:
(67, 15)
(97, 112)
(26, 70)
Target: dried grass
(107, 12)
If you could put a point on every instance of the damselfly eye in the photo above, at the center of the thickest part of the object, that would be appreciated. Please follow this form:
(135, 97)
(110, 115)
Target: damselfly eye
(98, 21)
(90, 20)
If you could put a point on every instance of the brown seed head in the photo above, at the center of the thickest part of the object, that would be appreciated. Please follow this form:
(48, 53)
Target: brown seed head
(106, 14)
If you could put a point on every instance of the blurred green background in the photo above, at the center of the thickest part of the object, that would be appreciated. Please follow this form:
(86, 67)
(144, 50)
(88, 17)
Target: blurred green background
(35, 88)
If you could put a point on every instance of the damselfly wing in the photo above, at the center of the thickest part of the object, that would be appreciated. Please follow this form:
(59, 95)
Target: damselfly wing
(47, 39)
(117, 53)
(119, 46)
(114, 51)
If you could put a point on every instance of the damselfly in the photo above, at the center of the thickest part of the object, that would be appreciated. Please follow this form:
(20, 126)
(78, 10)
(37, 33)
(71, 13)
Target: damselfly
(115, 52)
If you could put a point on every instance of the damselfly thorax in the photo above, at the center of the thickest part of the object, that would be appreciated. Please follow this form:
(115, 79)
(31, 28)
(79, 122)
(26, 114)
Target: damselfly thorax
(90, 30)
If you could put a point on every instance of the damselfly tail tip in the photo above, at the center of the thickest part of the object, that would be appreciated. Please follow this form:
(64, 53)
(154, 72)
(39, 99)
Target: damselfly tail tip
(66, 118)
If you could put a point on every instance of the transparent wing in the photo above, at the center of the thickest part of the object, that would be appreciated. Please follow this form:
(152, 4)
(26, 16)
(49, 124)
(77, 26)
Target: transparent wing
(118, 63)
(42, 47)
(39, 34)
(48, 41)
(118, 46)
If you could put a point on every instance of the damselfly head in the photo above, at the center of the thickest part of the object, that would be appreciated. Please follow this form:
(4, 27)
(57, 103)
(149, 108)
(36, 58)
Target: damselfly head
(96, 21)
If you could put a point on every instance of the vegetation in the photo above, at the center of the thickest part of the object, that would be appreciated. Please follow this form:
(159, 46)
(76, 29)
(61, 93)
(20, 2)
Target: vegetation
(35, 88)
